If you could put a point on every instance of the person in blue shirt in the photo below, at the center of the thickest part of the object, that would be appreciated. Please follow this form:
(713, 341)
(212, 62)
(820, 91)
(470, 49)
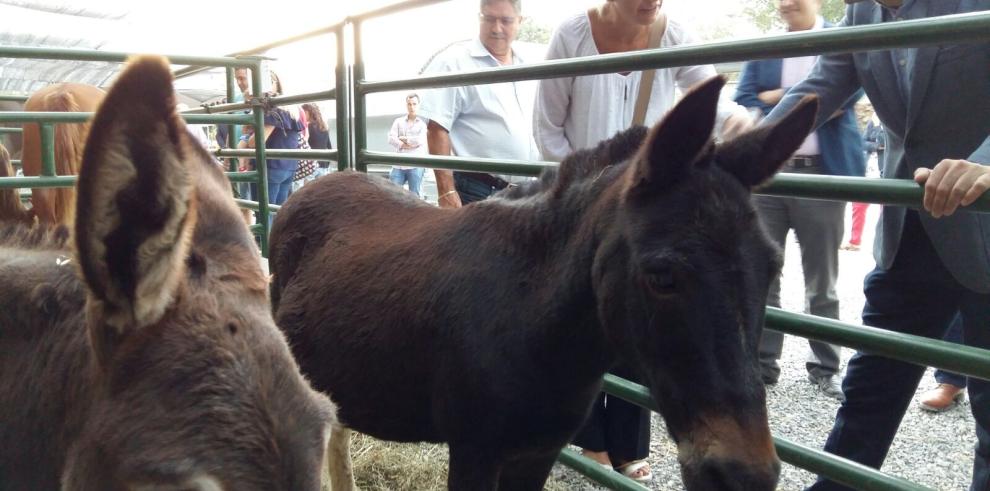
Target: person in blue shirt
(282, 131)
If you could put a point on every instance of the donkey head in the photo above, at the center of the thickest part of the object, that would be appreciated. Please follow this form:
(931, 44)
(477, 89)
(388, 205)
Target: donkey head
(195, 387)
(682, 281)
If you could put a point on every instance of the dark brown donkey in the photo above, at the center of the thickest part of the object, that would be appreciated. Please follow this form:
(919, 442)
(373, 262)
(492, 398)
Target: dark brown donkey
(146, 356)
(489, 327)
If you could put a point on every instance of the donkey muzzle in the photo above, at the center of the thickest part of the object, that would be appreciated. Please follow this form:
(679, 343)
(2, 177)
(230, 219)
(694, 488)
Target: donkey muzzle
(723, 455)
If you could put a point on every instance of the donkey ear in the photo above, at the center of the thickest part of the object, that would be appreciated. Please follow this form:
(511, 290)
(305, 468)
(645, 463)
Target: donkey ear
(135, 199)
(756, 156)
(676, 141)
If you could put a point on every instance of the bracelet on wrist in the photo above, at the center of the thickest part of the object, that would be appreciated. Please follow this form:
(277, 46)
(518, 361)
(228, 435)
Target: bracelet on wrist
(448, 193)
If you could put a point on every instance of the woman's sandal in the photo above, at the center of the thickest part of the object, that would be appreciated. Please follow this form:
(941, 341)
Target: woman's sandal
(587, 454)
(632, 468)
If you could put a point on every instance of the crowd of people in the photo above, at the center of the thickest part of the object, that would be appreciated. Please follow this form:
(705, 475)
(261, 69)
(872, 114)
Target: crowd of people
(286, 128)
(932, 123)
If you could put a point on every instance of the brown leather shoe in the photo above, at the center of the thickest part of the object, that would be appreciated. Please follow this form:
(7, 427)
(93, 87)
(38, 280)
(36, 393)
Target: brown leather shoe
(942, 398)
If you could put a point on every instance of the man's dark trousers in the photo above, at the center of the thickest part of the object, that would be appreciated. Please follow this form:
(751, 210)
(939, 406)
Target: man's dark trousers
(916, 296)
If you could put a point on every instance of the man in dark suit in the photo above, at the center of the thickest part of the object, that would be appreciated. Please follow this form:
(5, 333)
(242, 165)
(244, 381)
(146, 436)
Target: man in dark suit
(836, 148)
(933, 263)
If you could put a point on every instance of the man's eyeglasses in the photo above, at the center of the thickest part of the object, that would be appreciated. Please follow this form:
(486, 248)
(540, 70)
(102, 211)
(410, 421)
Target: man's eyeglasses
(491, 19)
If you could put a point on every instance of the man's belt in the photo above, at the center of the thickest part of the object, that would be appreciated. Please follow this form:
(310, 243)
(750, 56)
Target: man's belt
(803, 162)
(488, 179)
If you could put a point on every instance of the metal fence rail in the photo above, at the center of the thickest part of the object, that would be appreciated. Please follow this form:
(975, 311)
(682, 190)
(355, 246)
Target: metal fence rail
(836, 468)
(46, 120)
(203, 115)
(900, 192)
(913, 33)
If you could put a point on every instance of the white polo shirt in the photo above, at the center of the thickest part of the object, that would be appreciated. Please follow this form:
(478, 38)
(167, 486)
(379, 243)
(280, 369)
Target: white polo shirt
(488, 121)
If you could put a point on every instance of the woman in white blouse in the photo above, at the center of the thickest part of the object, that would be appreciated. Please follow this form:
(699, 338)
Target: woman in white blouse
(578, 112)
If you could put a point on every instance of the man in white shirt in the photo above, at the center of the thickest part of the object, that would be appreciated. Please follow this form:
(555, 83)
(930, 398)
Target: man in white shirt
(408, 135)
(487, 121)
(836, 148)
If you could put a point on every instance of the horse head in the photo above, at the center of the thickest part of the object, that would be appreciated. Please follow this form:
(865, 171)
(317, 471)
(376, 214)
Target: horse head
(681, 278)
(194, 386)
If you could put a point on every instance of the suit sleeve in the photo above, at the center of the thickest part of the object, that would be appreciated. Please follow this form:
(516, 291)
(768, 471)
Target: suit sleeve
(747, 90)
(833, 80)
(982, 154)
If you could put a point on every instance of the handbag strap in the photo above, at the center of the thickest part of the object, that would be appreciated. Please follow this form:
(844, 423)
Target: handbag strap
(646, 80)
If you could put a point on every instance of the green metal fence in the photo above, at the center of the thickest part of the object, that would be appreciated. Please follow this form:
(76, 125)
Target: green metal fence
(206, 115)
(352, 89)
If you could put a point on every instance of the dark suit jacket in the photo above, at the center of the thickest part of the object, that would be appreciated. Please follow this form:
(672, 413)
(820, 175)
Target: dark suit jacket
(839, 140)
(944, 114)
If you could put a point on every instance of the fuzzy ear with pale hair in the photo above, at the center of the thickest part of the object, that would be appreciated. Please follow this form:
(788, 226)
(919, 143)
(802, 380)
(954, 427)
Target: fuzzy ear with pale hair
(136, 206)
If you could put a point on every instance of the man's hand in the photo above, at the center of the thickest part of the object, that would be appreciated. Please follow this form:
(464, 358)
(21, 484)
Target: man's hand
(952, 183)
(771, 97)
(735, 124)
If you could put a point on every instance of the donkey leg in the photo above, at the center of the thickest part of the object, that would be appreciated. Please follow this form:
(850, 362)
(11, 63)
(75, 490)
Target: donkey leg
(528, 474)
(339, 460)
(472, 468)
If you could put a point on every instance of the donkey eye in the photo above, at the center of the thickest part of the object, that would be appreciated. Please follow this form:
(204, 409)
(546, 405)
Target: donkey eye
(661, 282)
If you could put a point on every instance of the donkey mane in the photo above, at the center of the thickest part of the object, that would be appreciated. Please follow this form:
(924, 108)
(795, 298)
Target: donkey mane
(16, 235)
(583, 166)
(590, 164)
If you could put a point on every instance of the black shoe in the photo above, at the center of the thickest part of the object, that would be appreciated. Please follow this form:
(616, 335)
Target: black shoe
(828, 385)
(769, 379)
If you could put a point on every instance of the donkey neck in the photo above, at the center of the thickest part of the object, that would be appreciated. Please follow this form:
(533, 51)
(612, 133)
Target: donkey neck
(43, 326)
(557, 238)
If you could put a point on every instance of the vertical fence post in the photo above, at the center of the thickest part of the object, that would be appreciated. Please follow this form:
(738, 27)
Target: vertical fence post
(261, 165)
(343, 101)
(47, 149)
(360, 108)
(231, 134)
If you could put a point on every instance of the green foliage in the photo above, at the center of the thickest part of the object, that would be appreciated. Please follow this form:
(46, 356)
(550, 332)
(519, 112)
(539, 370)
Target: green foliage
(763, 13)
(532, 32)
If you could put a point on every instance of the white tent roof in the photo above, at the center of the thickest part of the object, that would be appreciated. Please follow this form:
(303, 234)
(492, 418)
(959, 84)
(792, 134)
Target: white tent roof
(187, 27)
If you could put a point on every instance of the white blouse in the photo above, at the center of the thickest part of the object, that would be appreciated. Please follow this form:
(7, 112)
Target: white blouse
(578, 112)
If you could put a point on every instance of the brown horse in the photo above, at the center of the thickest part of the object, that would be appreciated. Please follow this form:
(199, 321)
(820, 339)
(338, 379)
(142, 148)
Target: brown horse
(146, 357)
(57, 205)
(489, 327)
